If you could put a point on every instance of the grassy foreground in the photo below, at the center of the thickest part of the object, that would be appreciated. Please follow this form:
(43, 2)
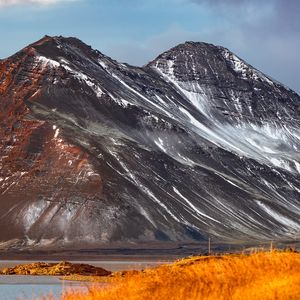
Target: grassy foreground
(261, 276)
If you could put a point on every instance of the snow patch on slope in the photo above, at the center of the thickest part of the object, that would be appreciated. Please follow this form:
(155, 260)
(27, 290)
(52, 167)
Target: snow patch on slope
(287, 222)
(243, 69)
(47, 61)
(32, 213)
(83, 77)
(191, 90)
(193, 207)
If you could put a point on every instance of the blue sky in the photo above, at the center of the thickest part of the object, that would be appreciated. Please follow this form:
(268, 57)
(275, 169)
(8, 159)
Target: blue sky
(264, 33)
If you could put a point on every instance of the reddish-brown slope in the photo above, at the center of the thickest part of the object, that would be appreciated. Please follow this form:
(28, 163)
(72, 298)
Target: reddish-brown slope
(37, 162)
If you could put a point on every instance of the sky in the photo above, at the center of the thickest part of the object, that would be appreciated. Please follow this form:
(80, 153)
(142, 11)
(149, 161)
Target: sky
(266, 33)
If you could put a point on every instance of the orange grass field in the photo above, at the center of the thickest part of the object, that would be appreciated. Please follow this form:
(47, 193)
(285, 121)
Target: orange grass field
(266, 275)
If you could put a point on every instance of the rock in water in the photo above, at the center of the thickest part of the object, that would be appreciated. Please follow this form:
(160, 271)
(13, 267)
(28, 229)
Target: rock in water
(55, 269)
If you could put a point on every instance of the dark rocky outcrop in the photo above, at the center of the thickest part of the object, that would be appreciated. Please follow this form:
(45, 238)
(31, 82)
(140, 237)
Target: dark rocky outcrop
(55, 269)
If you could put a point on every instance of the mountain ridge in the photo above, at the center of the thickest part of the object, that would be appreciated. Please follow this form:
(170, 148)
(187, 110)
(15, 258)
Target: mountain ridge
(197, 143)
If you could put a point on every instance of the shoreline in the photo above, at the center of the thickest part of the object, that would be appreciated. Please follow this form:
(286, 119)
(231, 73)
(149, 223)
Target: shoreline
(151, 251)
(76, 270)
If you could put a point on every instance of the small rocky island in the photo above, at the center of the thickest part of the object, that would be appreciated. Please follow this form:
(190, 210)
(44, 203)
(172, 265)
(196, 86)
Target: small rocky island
(55, 269)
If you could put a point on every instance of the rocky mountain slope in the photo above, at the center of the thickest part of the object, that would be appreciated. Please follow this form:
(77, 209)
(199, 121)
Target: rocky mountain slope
(92, 152)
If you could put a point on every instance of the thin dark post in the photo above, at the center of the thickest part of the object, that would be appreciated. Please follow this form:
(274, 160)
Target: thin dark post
(209, 246)
(271, 246)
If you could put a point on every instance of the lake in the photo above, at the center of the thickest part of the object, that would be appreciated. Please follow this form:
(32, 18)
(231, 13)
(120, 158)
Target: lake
(34, 287)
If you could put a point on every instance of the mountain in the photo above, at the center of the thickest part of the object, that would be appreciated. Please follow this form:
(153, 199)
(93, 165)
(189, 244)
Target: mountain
(93, 152)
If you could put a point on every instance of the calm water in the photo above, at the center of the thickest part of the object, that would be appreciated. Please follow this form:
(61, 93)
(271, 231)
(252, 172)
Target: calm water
(34, 287)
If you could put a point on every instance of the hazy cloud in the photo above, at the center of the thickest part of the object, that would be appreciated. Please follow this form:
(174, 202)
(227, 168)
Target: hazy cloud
(283, 14)
(266, 33)
(30, 2)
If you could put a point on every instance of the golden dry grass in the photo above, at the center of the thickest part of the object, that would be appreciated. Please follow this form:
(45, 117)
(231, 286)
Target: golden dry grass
(261, 276)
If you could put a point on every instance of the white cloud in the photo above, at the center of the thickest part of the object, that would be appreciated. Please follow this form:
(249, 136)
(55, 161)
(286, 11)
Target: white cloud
(31, 2)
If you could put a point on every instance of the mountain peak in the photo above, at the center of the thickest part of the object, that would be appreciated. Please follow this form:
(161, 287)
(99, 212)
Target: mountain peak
(194, 44)
(49, 45)
(92, 152)
(48, 40)
(189, 48)
(194, 61)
